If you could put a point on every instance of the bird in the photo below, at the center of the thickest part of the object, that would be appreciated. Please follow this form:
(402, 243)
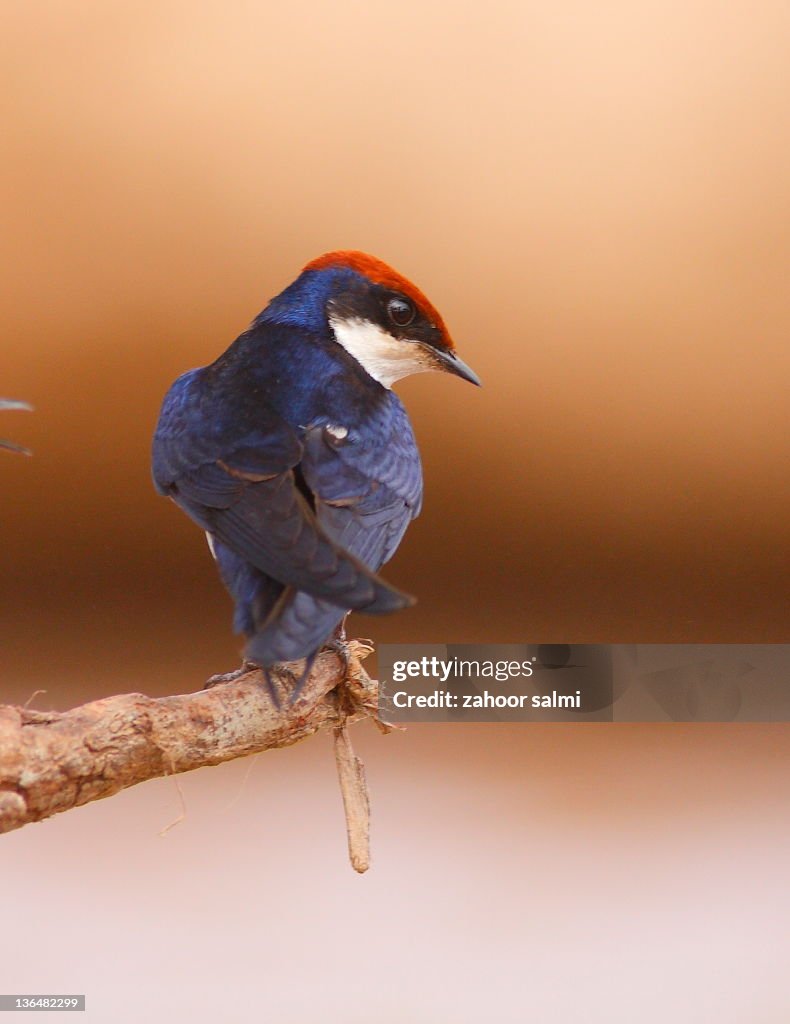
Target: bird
(296, 458)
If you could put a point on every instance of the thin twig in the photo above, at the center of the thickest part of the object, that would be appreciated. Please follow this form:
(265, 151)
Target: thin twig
(356, 802)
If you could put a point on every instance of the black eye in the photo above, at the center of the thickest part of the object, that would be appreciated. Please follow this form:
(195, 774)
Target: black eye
(401, 312)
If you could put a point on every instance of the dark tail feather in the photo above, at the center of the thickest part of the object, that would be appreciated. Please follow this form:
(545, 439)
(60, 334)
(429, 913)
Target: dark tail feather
(275, 696)
(297, 628)
(308, 668)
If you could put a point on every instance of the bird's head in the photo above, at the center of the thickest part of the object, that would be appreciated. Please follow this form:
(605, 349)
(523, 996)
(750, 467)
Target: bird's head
(379, 317)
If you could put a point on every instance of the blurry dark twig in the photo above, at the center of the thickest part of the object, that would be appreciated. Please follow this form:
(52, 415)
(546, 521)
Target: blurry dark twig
(8, 403)
(51, 761)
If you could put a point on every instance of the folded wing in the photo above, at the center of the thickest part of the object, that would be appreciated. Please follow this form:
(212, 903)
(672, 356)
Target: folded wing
(239, 482)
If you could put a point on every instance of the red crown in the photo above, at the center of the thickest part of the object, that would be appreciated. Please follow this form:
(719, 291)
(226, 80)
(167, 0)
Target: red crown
(380, 273)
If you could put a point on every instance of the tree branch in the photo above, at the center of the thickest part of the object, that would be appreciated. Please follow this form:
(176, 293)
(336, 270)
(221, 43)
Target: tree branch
(52, 761)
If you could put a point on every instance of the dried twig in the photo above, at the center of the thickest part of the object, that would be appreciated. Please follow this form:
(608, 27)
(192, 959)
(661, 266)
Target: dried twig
(356, 803)
(52, 761)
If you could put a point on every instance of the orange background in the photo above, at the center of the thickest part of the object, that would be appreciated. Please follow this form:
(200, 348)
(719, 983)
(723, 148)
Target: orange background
(595, 196)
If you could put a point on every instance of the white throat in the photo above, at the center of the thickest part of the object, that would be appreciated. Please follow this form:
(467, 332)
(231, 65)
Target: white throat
(385, 358)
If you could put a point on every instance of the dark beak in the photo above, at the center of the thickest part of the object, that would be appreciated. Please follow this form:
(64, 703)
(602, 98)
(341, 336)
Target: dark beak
(448, 361)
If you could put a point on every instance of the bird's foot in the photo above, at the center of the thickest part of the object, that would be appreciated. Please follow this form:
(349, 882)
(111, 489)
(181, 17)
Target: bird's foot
(351, 653)
(246, 668)
(339, 646)
(230, 677)
(356, 692)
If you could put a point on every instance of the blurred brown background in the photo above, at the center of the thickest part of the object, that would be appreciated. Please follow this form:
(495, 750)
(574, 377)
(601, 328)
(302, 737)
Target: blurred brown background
(596, 198)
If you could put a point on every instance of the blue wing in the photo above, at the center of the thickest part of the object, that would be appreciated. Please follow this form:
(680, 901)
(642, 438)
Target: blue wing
(368, 485)
(235, 469)
(367, 489)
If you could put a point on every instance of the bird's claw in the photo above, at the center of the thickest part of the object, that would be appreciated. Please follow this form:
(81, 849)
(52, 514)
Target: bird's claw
(339, 646)
(229, 677)
(354, 691)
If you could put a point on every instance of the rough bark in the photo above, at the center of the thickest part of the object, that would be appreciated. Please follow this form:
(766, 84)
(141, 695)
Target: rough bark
(52, 761)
